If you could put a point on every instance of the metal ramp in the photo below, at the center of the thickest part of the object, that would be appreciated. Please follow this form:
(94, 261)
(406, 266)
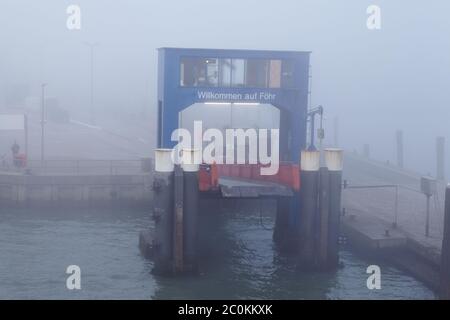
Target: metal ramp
(231, 187)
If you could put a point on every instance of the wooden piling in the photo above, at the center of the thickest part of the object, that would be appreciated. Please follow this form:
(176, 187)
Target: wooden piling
(445, 252)
(334, 163)
(440, 158)
(322, 225)
(178, 264)
(310, 161)
(163, 185)
(191, 209)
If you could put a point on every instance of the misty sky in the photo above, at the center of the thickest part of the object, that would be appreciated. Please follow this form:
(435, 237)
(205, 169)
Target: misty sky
(376, 81)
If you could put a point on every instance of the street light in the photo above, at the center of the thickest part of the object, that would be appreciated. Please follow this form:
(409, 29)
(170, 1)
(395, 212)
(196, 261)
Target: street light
(42, 122)
(91, 47)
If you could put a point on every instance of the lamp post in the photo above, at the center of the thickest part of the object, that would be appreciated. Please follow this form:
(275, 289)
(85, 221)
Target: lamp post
(92, 109)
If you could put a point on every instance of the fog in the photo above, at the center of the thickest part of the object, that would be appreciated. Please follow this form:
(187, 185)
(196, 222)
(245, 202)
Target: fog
(375, 81)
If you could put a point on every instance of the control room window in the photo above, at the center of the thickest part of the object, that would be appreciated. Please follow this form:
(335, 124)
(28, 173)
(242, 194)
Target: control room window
(212, 72)
(238, 73)
(275, 74)
(199, 72)
(224, 72)
(287, 74)
(257, 73)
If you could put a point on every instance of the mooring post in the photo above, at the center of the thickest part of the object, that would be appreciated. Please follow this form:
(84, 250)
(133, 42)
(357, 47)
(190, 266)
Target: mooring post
(440, 158)
(399, 140)
(163, 187)
(445, 252)
(309, 163)
(191, 160)
(334, 159)
(322, 223)
(178, 194)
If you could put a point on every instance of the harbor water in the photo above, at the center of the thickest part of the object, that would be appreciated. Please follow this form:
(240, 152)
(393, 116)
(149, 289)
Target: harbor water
(37, 246)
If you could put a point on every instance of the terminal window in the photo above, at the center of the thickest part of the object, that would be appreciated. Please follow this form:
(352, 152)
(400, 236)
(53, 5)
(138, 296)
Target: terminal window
(236, 73)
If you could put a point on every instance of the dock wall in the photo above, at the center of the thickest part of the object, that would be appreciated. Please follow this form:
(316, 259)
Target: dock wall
(19, 190)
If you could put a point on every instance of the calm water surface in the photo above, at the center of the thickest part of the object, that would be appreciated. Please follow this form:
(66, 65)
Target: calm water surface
(37, 246)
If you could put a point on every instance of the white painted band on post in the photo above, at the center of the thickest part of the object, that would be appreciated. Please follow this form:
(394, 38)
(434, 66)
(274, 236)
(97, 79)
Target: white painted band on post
(163, 160)
(334, 159)
(191, 160)
(310, 160)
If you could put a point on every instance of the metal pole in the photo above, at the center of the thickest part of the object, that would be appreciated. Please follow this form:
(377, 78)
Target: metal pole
(43, 123)
(396, 208)
(312, 128)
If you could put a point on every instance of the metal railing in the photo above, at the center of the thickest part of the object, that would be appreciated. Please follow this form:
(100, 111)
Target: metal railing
(78, 167)
(395, 201)
(380, 186)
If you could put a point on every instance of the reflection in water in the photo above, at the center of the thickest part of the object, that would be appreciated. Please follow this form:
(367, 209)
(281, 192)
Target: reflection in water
(238, 261)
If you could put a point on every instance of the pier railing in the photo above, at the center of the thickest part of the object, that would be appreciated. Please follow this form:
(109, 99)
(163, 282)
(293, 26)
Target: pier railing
(81, 167)
(401, 205)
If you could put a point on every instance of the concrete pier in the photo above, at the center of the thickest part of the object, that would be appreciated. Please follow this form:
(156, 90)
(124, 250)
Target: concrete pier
(74, 191)
(368, 223)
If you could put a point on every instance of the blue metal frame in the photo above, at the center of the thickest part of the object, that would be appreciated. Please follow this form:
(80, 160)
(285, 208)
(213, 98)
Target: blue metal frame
(292, 102)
